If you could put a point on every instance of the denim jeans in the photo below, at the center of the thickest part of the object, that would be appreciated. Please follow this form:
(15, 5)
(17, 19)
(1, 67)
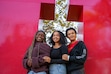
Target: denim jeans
(32, 72)
(57, 69)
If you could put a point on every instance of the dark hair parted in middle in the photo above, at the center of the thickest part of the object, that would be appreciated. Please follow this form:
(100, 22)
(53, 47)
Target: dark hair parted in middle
(63, 39)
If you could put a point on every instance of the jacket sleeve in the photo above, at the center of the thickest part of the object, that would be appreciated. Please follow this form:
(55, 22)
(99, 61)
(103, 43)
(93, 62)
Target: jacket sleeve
(25, 61)
(80, 55)
(58, 61)
(35, 62)
(38, 61)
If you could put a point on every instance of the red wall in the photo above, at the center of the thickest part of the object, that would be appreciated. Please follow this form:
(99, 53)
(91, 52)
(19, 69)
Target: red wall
(97, 32)
(19, 20)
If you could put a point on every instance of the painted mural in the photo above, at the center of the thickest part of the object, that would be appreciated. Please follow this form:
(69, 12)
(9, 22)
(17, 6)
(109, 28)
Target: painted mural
(19, 20)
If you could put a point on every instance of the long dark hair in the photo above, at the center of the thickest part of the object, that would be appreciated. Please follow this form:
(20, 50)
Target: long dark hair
(63, 39)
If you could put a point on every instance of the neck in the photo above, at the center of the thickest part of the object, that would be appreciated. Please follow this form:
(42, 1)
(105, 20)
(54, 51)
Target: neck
(57, 44)
(73, 41)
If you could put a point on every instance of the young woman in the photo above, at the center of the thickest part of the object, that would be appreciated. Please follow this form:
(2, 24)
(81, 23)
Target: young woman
(33, 60)
(77, 53)
(57, 65)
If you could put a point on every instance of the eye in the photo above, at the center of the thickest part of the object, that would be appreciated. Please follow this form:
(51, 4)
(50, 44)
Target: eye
(72, 32)
(68, 33)
(42, 35)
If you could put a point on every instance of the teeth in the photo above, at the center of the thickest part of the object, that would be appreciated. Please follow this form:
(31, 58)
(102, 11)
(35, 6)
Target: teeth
(39, 38)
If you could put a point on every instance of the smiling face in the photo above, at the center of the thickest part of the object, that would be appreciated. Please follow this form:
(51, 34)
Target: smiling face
(40, 36)
(71, 35)
(56, 37)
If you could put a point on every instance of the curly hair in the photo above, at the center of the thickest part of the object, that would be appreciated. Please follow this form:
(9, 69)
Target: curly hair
(63, 39)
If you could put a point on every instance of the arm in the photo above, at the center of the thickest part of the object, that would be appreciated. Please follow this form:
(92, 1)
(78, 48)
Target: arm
(58, 61)
(25, 60)
(81, 54)
(63, 50)
(44, 51)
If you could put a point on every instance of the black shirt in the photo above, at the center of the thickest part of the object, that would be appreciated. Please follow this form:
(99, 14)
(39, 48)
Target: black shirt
(56, 54)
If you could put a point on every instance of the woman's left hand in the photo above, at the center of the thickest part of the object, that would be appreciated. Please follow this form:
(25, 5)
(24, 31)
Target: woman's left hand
(65, 57)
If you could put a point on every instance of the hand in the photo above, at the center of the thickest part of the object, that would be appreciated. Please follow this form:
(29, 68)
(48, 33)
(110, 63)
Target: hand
(29, 62)
(65, 57)
(47, 59)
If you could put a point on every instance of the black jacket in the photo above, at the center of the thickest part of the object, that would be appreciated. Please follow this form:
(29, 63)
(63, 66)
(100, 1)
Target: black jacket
(77, 57)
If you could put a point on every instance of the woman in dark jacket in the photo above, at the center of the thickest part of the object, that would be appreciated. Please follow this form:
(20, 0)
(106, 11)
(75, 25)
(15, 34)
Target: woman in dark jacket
(77, 53)
(33, 60)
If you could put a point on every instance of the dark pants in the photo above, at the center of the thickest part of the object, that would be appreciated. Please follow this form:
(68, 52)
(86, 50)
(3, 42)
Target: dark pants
(80, 71)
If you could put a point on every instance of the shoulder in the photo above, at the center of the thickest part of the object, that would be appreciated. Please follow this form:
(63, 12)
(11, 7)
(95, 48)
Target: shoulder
(45, 45)
(64, 46)
(80, 42)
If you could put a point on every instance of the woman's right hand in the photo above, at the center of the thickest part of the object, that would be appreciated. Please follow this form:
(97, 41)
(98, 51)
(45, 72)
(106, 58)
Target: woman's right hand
(29, 62)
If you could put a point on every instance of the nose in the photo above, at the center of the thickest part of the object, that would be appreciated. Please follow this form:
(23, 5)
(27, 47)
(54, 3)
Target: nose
(40, 35)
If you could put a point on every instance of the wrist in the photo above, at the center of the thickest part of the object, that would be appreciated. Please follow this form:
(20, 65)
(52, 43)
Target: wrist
(68, 57)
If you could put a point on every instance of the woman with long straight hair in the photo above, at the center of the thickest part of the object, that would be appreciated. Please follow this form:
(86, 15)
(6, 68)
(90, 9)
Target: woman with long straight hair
(33, 60)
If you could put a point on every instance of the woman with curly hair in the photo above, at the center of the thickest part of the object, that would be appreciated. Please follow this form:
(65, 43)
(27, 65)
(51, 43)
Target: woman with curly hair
(58, 42)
